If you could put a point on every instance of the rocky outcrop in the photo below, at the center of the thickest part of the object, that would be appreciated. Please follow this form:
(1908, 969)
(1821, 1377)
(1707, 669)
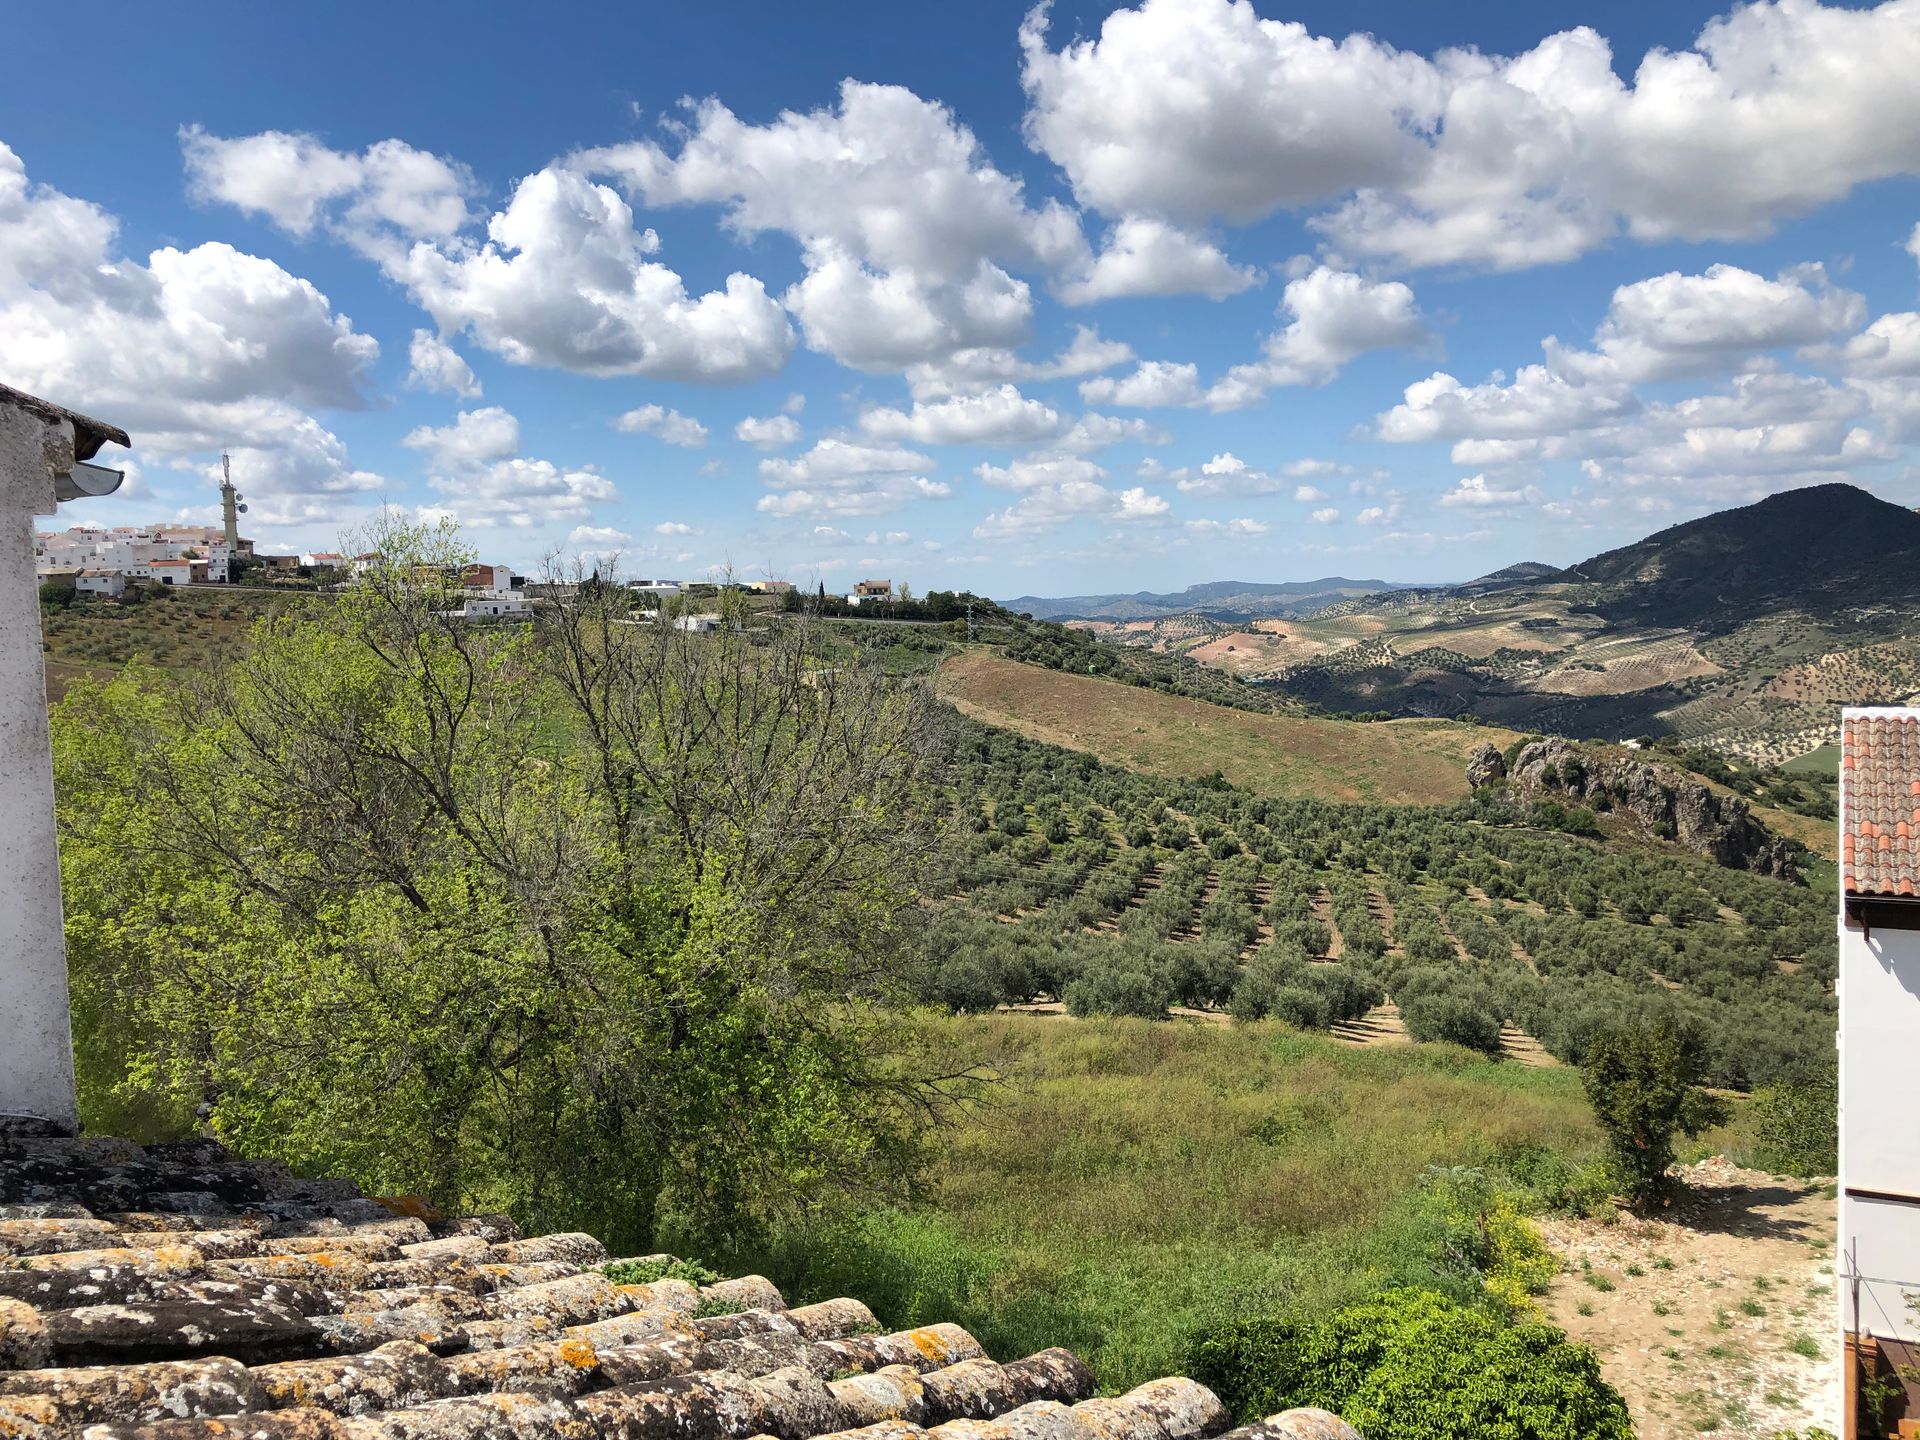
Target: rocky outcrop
(1485, 766)
(1665, 802)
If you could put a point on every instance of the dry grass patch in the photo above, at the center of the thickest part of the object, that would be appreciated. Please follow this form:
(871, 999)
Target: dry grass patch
(1411, 762)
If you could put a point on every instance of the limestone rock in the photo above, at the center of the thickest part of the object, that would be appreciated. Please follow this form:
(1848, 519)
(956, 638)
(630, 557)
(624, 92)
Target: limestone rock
(1485, 766)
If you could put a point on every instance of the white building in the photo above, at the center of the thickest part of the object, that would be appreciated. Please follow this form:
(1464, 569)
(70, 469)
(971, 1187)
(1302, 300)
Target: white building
(1878, 1259)
(110, 583)
(496, 607)
(698, 624)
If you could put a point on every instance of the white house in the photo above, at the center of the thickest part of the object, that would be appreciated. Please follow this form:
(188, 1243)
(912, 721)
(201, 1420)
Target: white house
(496, 607)
(110, 583)
(1878, 1261)
(493, 579)
(699, 624)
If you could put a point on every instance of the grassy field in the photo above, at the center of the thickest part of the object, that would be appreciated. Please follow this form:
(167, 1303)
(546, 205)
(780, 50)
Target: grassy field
(1136, 1179)
(1414, 762)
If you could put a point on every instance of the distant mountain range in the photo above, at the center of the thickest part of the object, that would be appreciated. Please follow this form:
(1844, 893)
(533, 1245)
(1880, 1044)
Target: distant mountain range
(1221, 599)
(1744, 630)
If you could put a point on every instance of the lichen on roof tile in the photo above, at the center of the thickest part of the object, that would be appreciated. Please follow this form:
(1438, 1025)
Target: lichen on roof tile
(178, 1293)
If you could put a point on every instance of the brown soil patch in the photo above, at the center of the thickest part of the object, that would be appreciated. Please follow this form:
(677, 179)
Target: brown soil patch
(1381, 1025)
(1703, 1307)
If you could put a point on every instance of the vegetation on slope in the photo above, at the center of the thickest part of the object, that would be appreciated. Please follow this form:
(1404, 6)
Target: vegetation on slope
(1127, 892)
(1295, 756)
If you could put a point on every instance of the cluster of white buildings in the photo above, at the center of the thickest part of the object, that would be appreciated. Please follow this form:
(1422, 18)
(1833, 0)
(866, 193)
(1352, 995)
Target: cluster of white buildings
(105, 561)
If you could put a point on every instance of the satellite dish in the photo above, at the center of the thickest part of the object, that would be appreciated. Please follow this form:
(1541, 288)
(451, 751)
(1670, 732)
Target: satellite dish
(241, 508)
(238, 496)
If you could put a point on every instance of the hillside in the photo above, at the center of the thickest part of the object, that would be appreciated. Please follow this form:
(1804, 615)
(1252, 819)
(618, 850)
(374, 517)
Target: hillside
(1226, 599)
(1825, 548)
(1288, 756)
(1741, 632)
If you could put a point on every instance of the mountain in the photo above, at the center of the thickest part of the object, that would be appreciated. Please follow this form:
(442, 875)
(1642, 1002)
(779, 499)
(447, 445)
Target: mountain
(1822, 549)
(1743, 631)
(1225, 599)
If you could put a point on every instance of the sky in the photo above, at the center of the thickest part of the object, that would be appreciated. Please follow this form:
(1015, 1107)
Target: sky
(1021, 300)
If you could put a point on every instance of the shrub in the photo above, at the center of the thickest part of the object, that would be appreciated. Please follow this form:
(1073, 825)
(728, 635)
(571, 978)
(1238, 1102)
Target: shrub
(1643, 1080)
(1453, 1017)
(1118, 983)
(649, 1268)
(1414, 1365)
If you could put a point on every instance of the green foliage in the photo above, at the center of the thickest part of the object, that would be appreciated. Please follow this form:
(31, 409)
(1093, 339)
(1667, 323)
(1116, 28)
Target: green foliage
(1412, 1364)
(1643, 1079)
(1486, 1234)
(563, 921)
(1798, 1128)
(648, 1269)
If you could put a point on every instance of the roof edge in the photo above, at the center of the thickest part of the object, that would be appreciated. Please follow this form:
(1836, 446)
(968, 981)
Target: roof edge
(89, 434)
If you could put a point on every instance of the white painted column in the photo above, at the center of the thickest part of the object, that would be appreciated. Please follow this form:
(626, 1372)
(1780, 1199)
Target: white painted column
(36, 1036)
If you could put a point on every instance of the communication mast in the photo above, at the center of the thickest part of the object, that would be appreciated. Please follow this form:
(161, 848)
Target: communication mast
(230, 507)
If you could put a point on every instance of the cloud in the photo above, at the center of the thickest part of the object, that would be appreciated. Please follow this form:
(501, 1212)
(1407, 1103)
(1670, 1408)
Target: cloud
(674, 527)
(1336, 317)
(668, 425)
(475, 463)
(1890, 346)
(604, 536)
(1032, 472)
(193, 351)
(432, 364)
(1477, 492)
(1238, 529)
(1001, 416)
(1147, 257)
(1227, 474)
(906, 228)
(1094, 432)
(971, 371)
(1536, 403)
(1196, 109)
(1325, 516)
(564, 281)
(1193, 110)
(378, 200)
(1154, 384)
(1672, 325)
(774, 432)
(1307, 494)
(845, 477)
(1050, 506)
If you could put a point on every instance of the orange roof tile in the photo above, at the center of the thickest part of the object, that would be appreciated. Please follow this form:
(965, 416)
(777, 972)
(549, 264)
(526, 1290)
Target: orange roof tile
(1879, 825)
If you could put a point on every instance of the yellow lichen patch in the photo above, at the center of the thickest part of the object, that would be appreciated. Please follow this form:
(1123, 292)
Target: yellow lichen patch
(931, 1344)
(579, 1353)
(410, 1207)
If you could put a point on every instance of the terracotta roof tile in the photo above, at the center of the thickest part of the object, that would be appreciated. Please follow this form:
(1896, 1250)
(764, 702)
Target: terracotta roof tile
(1879, 781)
(174, 1292)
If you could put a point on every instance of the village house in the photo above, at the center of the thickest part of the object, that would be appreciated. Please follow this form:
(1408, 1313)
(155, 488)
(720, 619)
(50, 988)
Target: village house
(109, 583)
(1879, 994)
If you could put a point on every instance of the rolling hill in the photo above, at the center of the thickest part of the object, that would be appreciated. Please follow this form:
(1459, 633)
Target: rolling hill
(1412, 762)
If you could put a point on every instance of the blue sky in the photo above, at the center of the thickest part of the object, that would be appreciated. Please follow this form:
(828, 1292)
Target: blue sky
(1022, 301)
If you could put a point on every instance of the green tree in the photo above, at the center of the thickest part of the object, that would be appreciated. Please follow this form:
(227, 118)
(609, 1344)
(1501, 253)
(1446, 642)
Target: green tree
(584, 920)
(1643, 1080)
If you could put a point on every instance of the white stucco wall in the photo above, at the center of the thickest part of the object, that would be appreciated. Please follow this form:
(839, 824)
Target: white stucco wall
(1880, 1126)
(36, 1046)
